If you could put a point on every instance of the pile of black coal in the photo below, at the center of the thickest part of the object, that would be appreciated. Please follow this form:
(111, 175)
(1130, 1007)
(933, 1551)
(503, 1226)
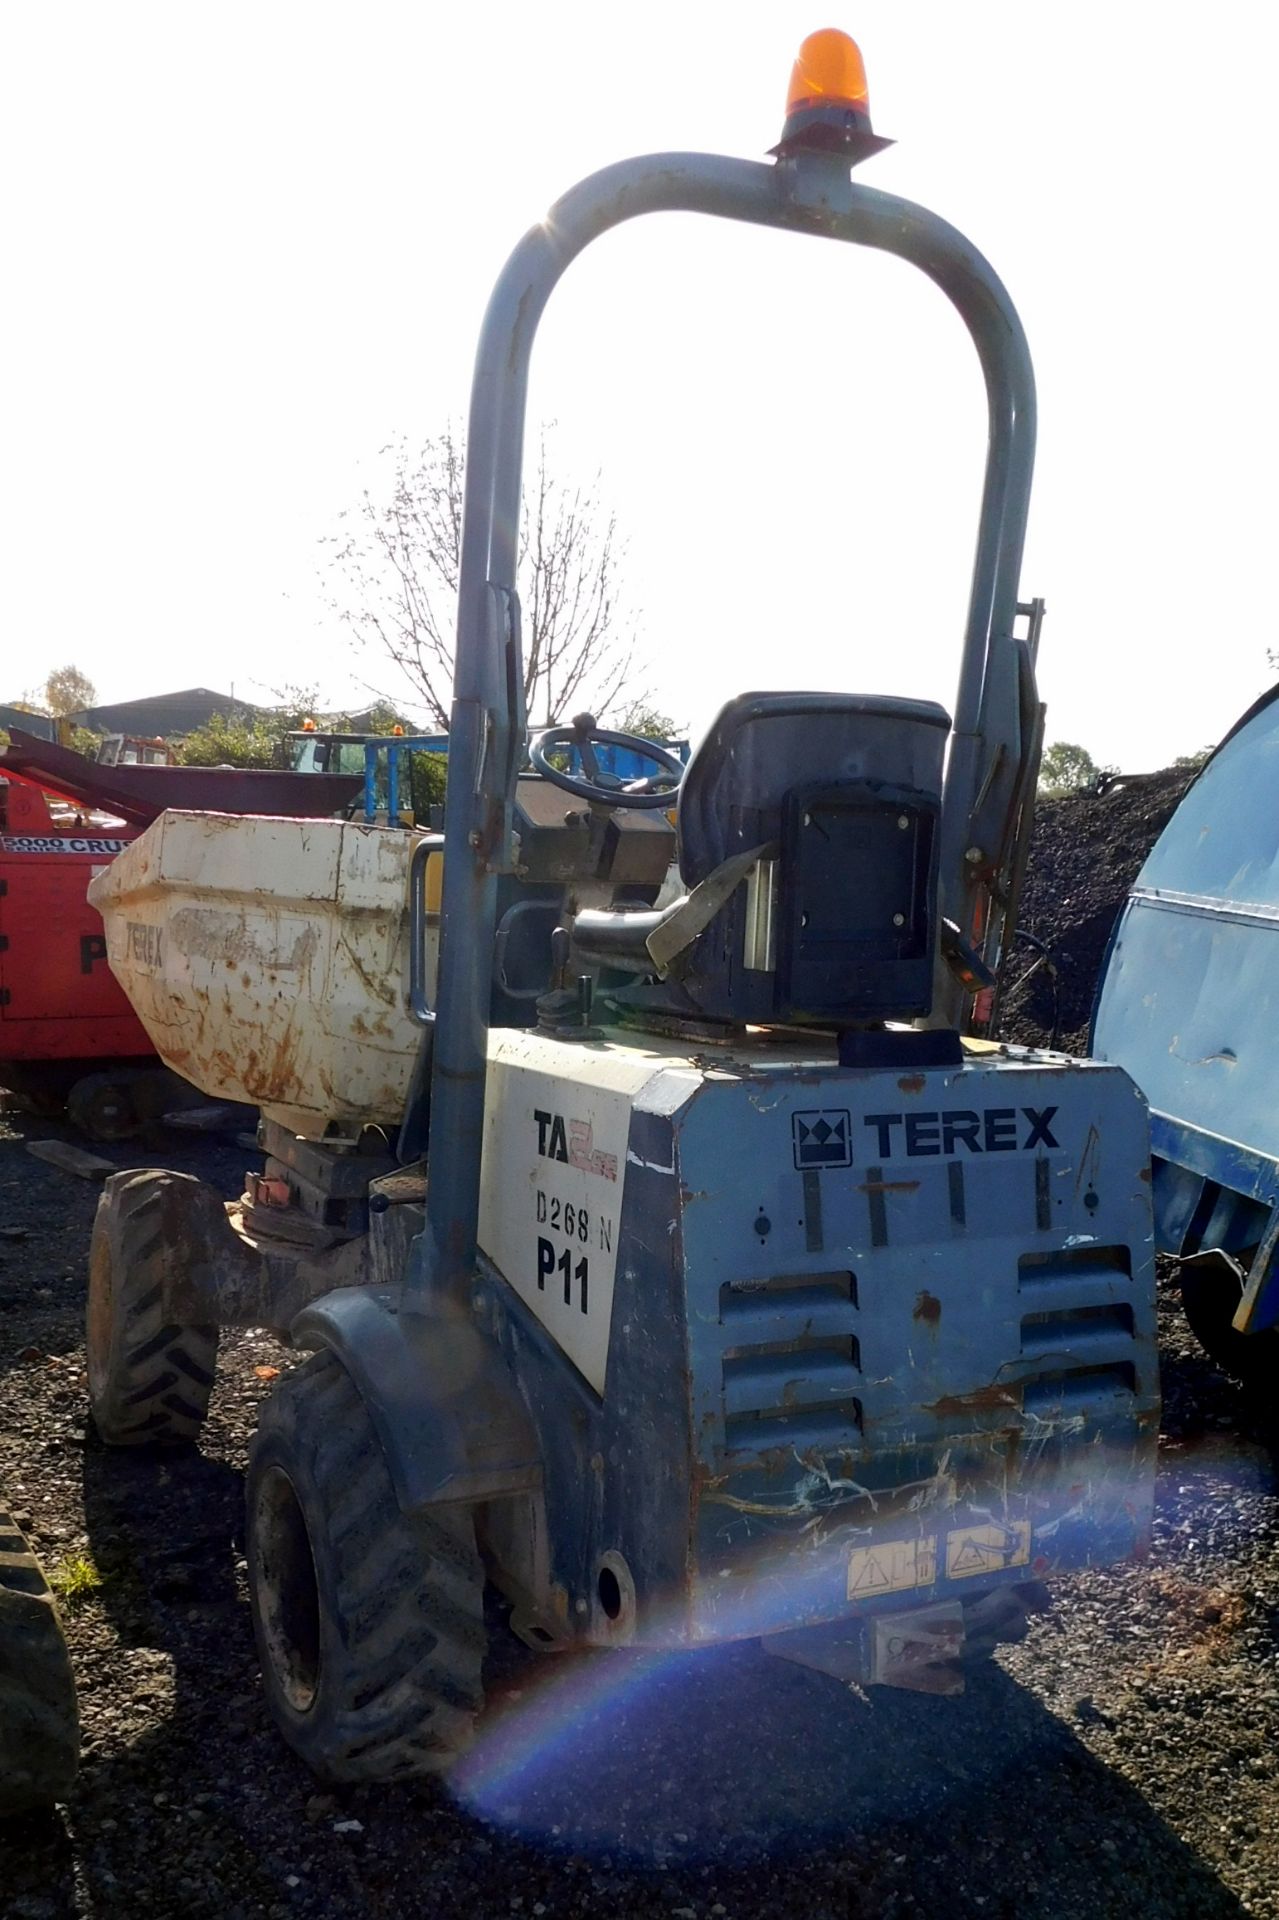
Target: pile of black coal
(1087, 850)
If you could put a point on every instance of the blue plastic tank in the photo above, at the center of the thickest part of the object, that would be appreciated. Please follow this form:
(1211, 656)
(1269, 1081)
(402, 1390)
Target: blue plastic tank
(1189, 1005)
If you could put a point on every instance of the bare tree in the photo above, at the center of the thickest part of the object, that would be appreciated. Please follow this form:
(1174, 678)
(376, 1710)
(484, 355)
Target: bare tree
(67, 690)
(395, 567)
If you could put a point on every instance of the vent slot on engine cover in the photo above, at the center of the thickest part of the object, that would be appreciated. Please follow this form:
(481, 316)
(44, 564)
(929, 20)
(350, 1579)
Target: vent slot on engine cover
(791, 1358)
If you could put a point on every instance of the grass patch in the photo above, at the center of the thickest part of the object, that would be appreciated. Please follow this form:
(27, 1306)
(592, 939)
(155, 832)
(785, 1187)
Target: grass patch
(74, 1579)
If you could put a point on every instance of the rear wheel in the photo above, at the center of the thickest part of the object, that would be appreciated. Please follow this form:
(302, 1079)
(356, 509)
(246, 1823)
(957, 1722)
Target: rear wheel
(39, 1723)
(149, 1379)
(1211, 1289)
(369, 1622)
(101, 1106)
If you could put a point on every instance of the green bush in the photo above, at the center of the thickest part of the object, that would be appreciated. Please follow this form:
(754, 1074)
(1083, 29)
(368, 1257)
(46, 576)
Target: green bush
(1066, 768)
(233, 740)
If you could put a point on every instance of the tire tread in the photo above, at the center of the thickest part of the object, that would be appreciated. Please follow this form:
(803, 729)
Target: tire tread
(158, 1375)
(39, 1720)
(401, 1680)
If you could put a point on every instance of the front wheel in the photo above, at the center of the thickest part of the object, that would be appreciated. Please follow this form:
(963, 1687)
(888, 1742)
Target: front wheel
(369, 1622)
(149, 1378)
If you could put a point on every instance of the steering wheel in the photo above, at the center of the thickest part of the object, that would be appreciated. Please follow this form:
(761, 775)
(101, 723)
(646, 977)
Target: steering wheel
(606, 789)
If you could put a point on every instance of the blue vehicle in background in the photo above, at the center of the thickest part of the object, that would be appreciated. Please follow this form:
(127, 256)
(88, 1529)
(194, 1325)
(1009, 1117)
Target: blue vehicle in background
(1188, 1003)
(380, 758)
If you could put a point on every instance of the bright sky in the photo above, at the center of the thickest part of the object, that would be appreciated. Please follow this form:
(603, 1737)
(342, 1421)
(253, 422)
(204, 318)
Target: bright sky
(245, 245)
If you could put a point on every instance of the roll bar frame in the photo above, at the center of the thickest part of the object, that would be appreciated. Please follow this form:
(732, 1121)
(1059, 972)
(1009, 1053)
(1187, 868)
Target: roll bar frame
(989, 748)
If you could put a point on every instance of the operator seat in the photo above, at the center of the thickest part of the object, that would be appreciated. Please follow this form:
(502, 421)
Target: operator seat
(807, 839)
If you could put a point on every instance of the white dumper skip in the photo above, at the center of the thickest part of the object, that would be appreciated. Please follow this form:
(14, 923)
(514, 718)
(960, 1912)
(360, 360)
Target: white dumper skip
(268, 959)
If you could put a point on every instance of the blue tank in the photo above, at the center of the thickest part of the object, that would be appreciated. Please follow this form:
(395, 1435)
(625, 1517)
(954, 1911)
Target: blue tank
(1187, 1004)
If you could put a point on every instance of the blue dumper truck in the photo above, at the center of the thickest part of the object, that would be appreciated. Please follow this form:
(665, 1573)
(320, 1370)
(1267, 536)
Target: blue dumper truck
(1188, 1004)
(718, 1284)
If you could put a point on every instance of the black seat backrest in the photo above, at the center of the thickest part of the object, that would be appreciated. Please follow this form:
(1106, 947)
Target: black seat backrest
(847, 790)
(764, 745)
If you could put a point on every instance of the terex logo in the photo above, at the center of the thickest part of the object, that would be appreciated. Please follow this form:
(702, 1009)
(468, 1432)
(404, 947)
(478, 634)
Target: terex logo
(146, 944)
(997, 1130)
(570, 1141)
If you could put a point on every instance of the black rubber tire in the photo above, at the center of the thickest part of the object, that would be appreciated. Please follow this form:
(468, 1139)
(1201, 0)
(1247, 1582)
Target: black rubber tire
(369, 1623)
(1210, 1292)
(149, 1380)
(101, 1106)
(39, 1720)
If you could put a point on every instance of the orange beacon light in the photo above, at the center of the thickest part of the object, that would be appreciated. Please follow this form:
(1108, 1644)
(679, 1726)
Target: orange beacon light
(828, 101)
(829, 70)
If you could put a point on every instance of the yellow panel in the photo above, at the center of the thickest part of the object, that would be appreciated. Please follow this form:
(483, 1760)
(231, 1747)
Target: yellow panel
(434, 881)
(986, 1549)
(891, 1567)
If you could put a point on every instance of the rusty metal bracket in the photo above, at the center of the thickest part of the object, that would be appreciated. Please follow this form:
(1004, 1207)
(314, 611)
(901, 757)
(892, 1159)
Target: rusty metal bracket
(919, 1649)
(218, 1274)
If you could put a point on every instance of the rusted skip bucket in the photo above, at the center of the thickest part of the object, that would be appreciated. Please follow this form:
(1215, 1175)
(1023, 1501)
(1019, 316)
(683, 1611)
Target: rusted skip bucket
(268, 960)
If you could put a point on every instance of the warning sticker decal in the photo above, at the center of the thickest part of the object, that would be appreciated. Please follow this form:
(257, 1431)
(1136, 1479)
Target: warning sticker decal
(986, 1549)
(891, 1567)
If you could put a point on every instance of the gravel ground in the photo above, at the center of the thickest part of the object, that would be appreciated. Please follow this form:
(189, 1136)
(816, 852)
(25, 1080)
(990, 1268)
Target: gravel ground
(1123, 1761)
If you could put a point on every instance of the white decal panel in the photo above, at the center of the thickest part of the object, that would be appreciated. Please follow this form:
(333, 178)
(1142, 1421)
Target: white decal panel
(551, 1193)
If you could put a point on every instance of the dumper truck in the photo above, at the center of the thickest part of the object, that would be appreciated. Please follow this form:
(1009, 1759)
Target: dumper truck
(667, 1258)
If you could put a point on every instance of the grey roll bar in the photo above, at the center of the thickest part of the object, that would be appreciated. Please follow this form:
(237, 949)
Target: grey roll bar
(806, 193)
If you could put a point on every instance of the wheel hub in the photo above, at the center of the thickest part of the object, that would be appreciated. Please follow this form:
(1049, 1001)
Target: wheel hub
(288, 1593)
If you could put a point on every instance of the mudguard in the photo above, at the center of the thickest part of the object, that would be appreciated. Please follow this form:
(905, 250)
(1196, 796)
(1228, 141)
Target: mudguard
(439, 1393)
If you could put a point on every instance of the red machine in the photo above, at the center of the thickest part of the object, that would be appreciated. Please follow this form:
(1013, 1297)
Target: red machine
(68, 1036)
(62, 1015)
